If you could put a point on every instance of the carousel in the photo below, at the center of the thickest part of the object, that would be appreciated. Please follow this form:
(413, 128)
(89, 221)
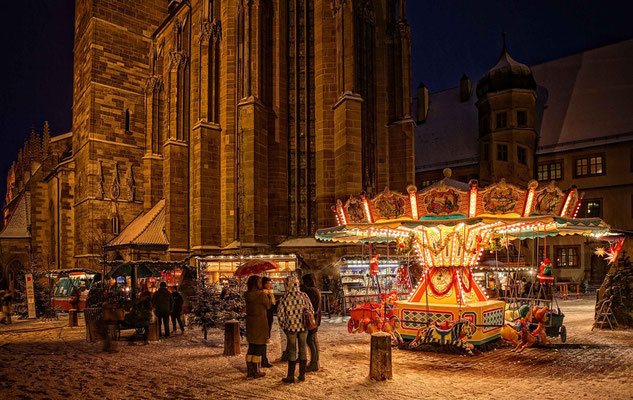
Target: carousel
(446, 227)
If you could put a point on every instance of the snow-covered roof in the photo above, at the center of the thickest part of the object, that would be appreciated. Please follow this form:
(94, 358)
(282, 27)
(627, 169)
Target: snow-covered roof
(586, 96)
(583, 100)
(449, 135)
(147, 229)
(20, 220)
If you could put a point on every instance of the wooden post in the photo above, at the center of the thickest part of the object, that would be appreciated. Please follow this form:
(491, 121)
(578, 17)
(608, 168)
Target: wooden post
(152, 331)
(380, 357)
(72, 318)
(231, 338)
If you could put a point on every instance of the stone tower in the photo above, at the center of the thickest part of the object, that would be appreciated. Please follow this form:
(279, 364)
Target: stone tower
(112, 41)
(507, 137)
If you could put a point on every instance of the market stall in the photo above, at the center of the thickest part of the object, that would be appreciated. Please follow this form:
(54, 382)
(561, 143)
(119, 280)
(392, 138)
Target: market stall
(220, 269)
(447, 226)
(360, 286)
(71, 287)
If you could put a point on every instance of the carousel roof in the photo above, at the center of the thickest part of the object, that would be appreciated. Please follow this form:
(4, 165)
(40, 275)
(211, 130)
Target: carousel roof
(521, 213)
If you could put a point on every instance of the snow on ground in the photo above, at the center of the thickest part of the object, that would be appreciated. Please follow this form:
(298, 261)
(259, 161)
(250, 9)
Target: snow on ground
(49, 361)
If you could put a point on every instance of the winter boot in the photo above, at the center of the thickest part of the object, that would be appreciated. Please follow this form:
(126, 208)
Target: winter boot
(291, 373)
(265, 363)
(249, 366)
(302, 370)
(256, 372)
(313, 366)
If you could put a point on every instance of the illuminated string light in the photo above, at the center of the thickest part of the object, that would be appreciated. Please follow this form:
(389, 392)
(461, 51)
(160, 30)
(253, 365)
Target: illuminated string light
(567, 201)
(472, 204)
(528, 203)
(413, 199)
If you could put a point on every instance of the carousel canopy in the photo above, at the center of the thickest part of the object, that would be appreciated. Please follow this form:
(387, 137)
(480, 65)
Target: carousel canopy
(449, 223)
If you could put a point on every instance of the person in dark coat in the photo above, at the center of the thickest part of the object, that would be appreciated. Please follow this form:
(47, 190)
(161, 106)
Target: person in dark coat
(257, 303)
(314, 294)
(176, 314)
(267, 286)
(163, 303)
(141, 313)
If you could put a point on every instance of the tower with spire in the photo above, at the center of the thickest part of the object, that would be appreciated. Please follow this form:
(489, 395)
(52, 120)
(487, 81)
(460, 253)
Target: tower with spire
(507, 137)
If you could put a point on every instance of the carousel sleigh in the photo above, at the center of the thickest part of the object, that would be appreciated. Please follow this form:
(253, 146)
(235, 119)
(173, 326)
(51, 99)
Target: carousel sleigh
(374, 317)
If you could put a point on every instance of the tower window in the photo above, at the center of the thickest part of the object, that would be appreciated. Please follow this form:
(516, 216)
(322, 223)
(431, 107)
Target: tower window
(486, 151)
(522, 118)
(522, 155)
(127, 120)
(502, 152)
(502, 120)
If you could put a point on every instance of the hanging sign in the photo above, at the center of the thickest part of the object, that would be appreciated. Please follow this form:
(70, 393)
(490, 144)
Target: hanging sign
(30, 295)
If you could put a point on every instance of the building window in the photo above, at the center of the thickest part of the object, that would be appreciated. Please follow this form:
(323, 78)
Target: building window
(590, 209)
(486, 152)
(115, 224)
(502, 120)
(522, 118)
(522, 155)
(590, 166)
(127, 120)
(550, 170)
(567, 257)
(502, 152)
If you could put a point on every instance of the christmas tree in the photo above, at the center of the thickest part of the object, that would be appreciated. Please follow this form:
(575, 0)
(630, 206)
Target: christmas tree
(213, 307)
(618, 289)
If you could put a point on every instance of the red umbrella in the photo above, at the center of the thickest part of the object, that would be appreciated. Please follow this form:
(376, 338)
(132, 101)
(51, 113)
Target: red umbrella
(254, 267)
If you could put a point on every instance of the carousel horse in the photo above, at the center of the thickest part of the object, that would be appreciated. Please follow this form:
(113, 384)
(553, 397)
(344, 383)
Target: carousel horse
(538, 336)
(447, 334)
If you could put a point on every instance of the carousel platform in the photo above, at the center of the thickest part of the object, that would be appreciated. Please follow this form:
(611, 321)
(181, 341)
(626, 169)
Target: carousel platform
(486, 315)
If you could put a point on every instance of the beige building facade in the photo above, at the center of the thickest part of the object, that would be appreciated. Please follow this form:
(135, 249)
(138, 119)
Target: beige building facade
(566, 120)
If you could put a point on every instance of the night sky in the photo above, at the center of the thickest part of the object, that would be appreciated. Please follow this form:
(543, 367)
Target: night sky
(449, 38)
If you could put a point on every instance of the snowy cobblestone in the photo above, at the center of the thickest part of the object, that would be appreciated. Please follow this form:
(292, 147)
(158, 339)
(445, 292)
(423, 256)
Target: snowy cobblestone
(51, 361)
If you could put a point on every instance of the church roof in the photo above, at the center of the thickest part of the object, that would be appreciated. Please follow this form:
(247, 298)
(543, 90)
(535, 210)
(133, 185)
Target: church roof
(20, 220)
(583, 100)
(148, 229)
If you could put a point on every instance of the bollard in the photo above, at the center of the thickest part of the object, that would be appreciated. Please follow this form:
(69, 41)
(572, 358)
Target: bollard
(380, 357)
(153, 333)
(231, 338)
(72, 318)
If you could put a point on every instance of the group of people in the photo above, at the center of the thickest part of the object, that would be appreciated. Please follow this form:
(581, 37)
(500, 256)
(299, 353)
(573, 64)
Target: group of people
(165, 303)
(294, 308)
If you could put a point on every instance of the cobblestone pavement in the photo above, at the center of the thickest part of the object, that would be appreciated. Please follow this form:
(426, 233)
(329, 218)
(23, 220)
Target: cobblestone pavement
(51, 361)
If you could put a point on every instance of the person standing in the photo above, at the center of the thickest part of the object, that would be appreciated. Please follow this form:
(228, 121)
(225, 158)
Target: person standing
(290, 314)
(257, 303)
(163, 303)
(5, 300)
(176, 314)
(314, 294)
(267, 286)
